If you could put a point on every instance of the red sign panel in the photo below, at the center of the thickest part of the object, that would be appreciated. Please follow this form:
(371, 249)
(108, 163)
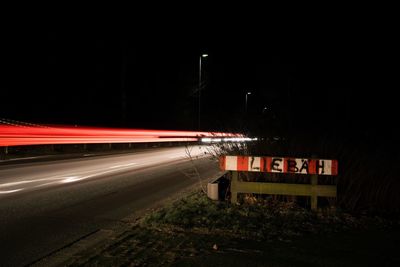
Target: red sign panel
(279, 165)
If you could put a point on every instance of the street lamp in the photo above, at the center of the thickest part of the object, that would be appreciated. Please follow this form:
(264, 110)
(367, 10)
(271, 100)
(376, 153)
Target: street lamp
(202, 56)
(248, 93)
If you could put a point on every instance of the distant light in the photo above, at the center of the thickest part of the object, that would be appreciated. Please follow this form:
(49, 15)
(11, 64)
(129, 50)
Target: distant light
(204, 55)
(249, 93)
(233, 139)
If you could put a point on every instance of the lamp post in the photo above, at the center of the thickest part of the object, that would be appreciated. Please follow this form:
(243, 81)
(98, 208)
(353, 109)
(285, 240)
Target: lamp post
(248, 93)
(202, 56)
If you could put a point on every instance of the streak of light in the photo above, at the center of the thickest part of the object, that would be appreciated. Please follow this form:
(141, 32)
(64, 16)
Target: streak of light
(12, 135)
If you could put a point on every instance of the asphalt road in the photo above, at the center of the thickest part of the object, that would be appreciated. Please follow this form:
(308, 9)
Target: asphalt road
(45, 206)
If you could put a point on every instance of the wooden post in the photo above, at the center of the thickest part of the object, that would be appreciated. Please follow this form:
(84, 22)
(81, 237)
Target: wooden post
(314, 183)
(314, 197)
(234, 182)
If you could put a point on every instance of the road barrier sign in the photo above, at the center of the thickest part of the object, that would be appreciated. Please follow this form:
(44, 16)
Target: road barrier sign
(313, 167)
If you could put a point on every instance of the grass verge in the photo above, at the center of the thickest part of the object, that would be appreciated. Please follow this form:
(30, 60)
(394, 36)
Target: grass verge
(195, 231)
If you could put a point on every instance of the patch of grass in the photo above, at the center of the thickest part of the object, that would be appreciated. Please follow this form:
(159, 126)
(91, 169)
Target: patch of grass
(196, 231)
(270, 221)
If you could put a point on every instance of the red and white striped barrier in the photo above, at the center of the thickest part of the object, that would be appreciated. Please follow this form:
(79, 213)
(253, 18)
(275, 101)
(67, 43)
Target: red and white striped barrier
(279, 165)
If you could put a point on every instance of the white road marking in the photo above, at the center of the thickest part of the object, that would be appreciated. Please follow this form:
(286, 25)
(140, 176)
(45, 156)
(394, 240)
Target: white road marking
(10, 191)
(173, 157)
(72, 179)
(123, 165)
(82, 173)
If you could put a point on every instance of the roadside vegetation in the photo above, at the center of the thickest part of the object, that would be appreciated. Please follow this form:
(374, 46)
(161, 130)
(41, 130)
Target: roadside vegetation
(196, 231)
(368, 171)
(267, 220)
(359, 228)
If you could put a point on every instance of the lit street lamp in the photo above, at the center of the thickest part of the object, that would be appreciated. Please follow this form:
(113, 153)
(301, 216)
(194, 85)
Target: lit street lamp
(248, 93)
(203, 55)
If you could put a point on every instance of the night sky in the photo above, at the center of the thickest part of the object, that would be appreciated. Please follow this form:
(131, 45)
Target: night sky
(124, 77)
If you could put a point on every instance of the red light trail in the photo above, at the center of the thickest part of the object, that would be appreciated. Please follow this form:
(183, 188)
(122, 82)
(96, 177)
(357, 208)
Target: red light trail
(11, 135)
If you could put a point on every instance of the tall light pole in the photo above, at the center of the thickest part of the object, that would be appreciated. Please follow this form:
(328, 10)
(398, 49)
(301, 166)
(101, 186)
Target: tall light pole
(203, 55)
(245, 109)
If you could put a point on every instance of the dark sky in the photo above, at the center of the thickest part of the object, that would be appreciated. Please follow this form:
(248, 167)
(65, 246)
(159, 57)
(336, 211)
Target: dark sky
(125, 77)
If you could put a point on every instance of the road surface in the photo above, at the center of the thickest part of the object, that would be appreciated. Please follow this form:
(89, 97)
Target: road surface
(45, 206)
